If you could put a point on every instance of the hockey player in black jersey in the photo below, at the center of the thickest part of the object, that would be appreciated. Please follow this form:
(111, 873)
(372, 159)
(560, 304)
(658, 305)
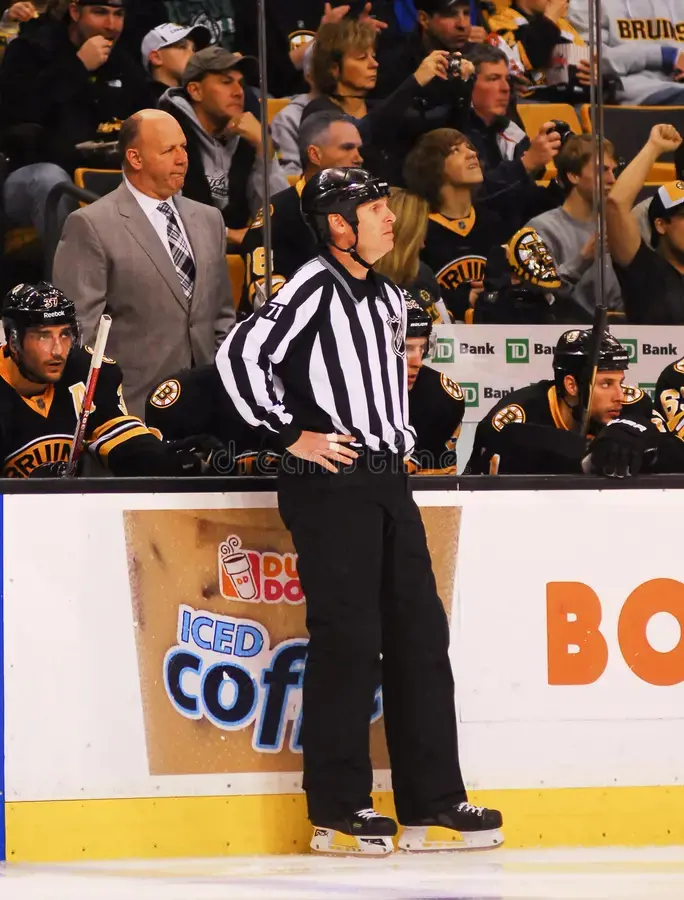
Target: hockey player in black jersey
(192, 406)
(534, 430)
(436, 403)
(669, 397)
(43, 373)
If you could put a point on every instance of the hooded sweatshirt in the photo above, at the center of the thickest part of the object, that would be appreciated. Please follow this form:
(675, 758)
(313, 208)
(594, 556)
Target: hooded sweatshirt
(285, 133)
(222, 172)
(641, 40)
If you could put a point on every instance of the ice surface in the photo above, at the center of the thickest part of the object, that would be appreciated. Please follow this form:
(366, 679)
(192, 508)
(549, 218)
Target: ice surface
(595, 874)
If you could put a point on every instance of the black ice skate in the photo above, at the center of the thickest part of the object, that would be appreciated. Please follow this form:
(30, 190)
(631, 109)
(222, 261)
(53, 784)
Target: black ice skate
(465, 827)
(363, 833)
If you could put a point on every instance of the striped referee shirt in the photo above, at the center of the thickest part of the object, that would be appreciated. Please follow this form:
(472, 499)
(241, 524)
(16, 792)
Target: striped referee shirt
(327, 353)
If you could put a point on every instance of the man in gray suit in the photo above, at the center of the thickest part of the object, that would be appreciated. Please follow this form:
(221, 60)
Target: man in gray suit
(152, 259)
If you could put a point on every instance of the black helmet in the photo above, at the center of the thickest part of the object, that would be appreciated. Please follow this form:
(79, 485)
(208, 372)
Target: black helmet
(418, 322)
(31, 305)
(338, 191)
(571, 355)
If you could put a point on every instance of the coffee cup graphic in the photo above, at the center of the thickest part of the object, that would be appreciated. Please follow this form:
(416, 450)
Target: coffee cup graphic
(237, 566)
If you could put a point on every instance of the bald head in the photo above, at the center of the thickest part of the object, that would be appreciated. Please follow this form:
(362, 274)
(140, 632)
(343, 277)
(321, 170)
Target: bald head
(153, 151)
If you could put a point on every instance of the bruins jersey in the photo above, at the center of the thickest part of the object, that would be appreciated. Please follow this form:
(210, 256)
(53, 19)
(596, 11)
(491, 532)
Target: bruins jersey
(531, 42)
(292, 242)
(526, 433)
(669, 397)
(436, 407)
(40, 429)
(456, 250)
(194, 402)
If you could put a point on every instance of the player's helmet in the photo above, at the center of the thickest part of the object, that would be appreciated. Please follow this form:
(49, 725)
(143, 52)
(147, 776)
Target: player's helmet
(339, 191)
(34, 305)
(418, 322)
(572, 354)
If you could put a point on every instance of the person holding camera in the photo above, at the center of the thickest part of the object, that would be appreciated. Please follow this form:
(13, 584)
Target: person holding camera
(510, 160)
(344, 70)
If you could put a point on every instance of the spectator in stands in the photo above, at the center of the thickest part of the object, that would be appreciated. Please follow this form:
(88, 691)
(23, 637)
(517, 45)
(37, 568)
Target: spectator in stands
(569, 231)
(285, 124)
(344, 71)
(224, 145)
(510, 160)
(651, 279)
(290, 26)
(403, 264)
(70, 78)
(166, 51)
(13, 15)
(217, 16)
(640, 211)
(152, 259)
(441, 25)
(534, 34)
(443, 168)
(328, 139)
(641, 49)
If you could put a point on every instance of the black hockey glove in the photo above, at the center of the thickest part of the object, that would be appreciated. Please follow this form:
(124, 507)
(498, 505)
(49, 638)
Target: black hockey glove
(621, 448)
(49, 470)
(193, 455)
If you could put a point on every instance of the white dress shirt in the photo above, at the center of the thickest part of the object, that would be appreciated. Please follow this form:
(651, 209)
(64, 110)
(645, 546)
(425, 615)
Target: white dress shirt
(157, 219)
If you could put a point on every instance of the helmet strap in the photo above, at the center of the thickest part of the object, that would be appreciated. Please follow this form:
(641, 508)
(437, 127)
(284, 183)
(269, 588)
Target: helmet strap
(352, 250)
(15, 348)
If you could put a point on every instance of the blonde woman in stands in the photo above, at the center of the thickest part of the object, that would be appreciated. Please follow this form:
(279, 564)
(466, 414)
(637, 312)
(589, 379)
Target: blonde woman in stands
(402, 264)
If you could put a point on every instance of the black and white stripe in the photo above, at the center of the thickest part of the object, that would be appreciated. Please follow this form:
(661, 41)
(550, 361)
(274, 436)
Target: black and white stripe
(317, 358)
(180, 252)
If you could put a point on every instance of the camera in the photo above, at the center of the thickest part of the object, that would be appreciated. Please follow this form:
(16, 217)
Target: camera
(454, 61)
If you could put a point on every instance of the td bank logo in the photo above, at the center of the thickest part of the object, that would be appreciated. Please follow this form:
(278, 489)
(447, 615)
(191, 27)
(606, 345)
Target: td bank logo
(632, 347)
(471, 392)
(444, 350)
(648, 388)
(517, 350)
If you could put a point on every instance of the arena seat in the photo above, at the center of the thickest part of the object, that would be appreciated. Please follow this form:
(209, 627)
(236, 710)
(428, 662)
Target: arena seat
(274, 105)
(236, 271)
(99, 181)
(628, 128)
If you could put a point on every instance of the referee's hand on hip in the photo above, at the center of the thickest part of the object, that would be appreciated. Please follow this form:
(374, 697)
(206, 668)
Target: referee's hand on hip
(323, 449)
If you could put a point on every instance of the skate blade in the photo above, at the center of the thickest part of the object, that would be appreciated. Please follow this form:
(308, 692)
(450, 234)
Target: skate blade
(336, 843)
(435, 838)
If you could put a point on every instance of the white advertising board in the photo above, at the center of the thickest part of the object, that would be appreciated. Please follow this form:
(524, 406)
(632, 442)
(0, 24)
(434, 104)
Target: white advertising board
(131, 641)
(490, 361)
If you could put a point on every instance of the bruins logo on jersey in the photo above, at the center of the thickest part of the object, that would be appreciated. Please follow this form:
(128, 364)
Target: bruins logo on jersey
(299, 37)
(49, 449)
(461, 271)
(660, 29)
(451, 387)
(679, 366)
(508, 416)
(259, 218)
(631, 394)
(104, 358)
(166, 394)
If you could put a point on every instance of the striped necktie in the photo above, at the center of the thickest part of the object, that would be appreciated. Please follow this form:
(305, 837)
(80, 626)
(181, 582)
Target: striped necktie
(182, 259)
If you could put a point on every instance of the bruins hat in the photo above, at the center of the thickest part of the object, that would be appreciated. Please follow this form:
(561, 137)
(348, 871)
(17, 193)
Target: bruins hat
(667, 201)
(530, 259)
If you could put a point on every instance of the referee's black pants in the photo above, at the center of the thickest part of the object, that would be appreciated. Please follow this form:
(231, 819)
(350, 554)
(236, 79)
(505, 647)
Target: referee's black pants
(370, 590)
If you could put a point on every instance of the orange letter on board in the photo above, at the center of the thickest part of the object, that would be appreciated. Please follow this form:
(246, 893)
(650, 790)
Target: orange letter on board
(651, 597)
(588, 662)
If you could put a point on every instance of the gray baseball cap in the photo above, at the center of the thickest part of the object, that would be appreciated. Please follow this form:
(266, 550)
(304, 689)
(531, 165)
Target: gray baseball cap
(168, 34)
(218, 59)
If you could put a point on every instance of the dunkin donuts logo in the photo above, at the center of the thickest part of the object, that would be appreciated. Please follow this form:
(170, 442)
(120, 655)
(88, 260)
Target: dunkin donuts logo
(257, 577)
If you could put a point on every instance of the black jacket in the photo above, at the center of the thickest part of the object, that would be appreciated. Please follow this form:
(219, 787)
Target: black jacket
(237, 213)
(42, 81)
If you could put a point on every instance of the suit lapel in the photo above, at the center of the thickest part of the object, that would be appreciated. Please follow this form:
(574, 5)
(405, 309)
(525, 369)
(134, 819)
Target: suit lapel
(142, 231)
(195, 235)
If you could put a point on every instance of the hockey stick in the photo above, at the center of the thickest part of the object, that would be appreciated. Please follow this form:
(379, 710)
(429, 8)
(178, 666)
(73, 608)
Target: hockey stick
(586, 388)
(91, 384)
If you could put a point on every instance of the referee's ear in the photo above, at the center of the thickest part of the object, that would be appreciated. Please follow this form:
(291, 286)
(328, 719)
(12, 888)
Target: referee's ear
(338, 225)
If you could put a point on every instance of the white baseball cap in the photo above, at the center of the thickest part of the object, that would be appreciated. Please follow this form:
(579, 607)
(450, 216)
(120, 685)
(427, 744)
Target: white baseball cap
(169, 33)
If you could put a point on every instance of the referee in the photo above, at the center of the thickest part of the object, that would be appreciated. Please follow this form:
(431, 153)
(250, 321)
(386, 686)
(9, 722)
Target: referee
(323, 366)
